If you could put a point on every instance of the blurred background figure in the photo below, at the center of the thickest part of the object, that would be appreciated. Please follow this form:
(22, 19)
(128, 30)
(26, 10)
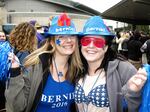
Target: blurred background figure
(144, 37)
(23, 39)
(39, 28)
(125, 44)
(114, 45)
(134, 53)
(2, 36)
(2, 84)
(39, 31)
(146, 49)
(119, 41)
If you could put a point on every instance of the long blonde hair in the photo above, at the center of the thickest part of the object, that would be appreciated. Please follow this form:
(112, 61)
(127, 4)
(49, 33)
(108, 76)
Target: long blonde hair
(75, 61)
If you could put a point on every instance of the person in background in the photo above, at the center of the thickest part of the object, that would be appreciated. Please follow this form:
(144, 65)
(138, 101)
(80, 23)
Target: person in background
(146, 49)
(2, 36)
(109, 83)
(119, 41)
(39, 28)
(114, 45)
(23, 39)
(134, 53)
(144, 37)
(2, 83)
(48, 86)
(39, 32)
(125, 45)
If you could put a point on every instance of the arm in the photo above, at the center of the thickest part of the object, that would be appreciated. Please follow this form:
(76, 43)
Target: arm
(131, 94)
(17, 89)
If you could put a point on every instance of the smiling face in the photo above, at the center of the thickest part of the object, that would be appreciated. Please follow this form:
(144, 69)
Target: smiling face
(65, 44)
(94, 48)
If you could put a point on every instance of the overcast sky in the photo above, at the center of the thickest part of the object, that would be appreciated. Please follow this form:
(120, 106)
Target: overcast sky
(99, 5)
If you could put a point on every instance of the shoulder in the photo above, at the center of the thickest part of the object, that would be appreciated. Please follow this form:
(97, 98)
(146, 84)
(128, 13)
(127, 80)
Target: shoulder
(122, 65)
(35, 67)
(124, 69)
(23, 54)
(127, 67)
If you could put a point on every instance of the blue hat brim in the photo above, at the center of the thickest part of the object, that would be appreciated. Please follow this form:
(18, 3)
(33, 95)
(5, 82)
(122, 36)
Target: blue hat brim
(47, 34)
(104, 34)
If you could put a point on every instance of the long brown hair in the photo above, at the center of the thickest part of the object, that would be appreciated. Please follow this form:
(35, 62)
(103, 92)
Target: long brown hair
(23, 37)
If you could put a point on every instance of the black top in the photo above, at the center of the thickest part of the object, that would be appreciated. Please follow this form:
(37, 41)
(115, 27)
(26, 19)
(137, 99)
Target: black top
(134, 52)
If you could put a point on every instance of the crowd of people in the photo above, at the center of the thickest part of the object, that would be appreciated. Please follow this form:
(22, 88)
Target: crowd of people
(133, 46)
(62, 70)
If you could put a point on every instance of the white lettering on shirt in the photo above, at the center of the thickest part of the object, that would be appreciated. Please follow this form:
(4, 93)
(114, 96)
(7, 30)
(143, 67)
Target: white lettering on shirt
(57, 98)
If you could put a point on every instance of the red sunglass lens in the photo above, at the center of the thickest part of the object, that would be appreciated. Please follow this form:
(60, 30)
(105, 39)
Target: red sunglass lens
(85, 41)
(99, 43)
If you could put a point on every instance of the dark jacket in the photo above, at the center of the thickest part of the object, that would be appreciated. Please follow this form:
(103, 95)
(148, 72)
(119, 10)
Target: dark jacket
(134, 52)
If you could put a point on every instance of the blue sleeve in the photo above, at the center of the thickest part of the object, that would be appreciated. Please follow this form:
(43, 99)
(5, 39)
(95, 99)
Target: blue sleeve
(22, 55)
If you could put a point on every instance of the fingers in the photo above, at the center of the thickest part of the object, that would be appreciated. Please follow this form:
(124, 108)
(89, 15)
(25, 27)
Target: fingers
(11, 57)
(141, 75)
(142, 71)
(14, 60)
(138, 80)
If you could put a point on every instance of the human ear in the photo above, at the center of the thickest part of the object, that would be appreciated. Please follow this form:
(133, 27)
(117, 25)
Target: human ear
(52, 43)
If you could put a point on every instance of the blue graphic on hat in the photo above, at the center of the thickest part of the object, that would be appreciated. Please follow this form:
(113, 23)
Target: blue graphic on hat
(62, 25)
(95, 26)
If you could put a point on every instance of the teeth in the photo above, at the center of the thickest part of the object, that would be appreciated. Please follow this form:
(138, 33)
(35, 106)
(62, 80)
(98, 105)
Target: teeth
(67, 47)
(91, 52)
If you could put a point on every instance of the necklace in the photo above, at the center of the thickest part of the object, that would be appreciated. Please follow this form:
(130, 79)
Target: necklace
(59, 74)
(86, 108)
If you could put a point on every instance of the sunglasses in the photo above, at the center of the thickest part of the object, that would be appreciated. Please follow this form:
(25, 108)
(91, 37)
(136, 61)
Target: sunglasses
(98, 42)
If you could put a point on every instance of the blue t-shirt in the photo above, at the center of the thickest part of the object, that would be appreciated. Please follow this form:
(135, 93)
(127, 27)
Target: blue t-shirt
(56, 97)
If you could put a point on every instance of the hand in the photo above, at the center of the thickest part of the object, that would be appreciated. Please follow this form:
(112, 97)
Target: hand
(137, 81)
(14, 59)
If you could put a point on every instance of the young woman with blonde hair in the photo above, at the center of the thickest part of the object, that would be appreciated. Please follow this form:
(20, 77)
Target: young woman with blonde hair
(48, 84)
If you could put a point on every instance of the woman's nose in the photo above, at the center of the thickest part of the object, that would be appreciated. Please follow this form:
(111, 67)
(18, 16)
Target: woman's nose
(68, 39)
(91, 44)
